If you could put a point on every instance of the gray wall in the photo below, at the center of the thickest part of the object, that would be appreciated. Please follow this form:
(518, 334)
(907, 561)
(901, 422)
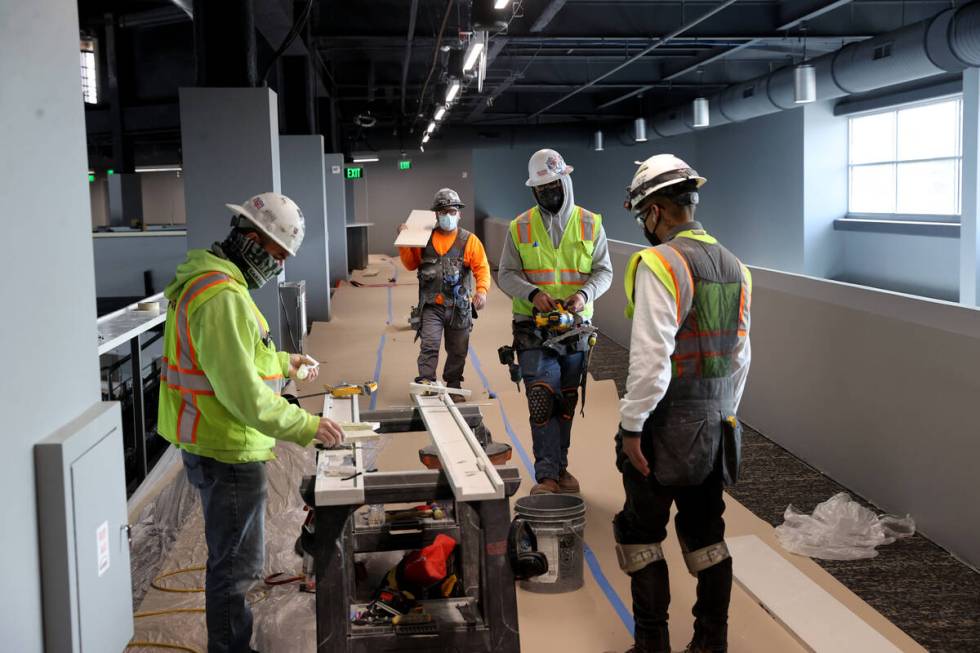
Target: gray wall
(918, 265)
(336, 216)
(230, 143)
(879, 395)
(163, 198)
(824, 188)
(49, 293)
(386, 195)
(121, 260)
(303, 182)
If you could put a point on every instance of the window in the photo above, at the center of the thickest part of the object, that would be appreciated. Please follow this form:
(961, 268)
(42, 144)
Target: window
(905, 163)
(90, 89)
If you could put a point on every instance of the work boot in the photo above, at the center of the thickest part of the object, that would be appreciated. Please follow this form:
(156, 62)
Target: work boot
(546, 486)
(567, 484)
(659, 644)
(697, 648)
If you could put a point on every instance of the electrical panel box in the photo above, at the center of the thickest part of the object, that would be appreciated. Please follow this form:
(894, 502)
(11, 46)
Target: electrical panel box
(84, 532)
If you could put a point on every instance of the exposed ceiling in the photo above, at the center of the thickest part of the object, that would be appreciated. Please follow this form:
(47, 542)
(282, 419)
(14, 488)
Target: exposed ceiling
(553, 61)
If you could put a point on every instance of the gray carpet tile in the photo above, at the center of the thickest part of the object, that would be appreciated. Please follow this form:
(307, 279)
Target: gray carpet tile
(914, 583)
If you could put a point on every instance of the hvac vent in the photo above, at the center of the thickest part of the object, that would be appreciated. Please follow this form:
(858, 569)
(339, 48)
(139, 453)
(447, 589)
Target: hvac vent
(747, 93)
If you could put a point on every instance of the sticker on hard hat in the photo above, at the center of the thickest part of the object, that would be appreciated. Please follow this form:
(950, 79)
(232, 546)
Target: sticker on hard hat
(258, 203)
(554, 164)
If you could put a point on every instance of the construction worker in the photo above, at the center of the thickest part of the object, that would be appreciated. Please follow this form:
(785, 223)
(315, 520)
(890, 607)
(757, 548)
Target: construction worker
(220, 399)
(679, 441)
(454, 278)
(557, 252)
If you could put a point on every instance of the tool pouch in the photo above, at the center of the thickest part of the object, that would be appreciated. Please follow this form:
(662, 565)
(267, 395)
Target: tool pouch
(731, 449)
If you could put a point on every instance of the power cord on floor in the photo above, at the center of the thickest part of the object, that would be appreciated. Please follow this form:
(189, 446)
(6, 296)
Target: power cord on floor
(155, 584)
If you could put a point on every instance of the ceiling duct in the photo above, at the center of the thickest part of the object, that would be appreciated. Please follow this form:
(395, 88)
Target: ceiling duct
(948, 42)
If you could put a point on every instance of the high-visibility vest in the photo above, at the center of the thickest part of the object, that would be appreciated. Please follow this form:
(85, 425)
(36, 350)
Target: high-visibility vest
(189, 415)
(712, 293)
(559, 272)
(695, 424)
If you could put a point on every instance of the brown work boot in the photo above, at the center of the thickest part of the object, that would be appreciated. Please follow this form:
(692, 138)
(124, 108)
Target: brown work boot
(459, 399)
(546, 486)
(567, 484)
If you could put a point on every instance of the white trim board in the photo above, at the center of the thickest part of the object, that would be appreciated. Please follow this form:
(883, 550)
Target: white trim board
(819, 621)
(469, 470)
(420, 226)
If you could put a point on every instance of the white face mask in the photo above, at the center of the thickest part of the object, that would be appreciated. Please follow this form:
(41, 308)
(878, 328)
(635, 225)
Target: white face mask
(448, 221)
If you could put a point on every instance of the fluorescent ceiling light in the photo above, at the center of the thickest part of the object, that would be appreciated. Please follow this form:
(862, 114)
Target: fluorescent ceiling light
(164, 168)
(425, 139)
(431, 128)
(453, 91)
(501, 4)
(366, 159)
(472, 53)
(440, 112)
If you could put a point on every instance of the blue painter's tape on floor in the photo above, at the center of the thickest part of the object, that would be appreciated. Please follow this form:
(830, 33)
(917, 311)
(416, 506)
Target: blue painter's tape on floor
(600, 577)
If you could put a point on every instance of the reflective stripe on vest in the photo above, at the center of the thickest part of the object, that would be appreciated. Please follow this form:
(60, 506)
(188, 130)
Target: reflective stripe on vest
(558, 271)
(712, 308)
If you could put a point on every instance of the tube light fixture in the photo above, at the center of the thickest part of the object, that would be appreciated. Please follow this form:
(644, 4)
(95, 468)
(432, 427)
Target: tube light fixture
(431, 128)
(701, 112)
(501, 4)
(640, 130)
(453, 91)
(804, 84)
(473, 52)
(597, 141)
(425, 139)
(440, 112)
(366, 158)
(163, 168)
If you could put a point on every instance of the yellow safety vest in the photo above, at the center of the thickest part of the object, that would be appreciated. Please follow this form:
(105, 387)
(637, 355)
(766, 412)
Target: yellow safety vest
(559, 272)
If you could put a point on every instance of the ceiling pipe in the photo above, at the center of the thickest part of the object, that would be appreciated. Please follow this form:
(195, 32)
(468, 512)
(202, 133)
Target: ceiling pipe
(949, 42)
(412, 16)
(666, 39)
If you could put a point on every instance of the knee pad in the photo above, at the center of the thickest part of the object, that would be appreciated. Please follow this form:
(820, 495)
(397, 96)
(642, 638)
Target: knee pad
(570, 400)
(541, 402)
(634, 557)
(705, 557)
(522, 551)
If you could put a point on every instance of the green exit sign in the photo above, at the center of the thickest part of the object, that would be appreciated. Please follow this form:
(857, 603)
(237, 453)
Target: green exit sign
(355, 172)
(404, 165)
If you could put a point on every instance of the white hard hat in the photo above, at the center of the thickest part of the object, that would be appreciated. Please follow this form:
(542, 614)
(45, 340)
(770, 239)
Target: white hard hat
(545, 167)
(657, 172)
(277, 216)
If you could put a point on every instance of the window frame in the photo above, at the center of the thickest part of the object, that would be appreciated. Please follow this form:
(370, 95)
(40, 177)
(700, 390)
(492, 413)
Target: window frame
(901, 216)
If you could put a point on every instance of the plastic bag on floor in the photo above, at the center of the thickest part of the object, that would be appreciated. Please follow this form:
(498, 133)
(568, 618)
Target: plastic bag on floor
(840, 529)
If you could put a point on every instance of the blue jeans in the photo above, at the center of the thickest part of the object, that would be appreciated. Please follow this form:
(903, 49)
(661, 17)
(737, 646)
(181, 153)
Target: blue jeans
(561, 375)
(233, 498)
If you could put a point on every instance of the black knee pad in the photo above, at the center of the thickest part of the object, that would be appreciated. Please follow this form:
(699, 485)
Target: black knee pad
(541, 402)
(570, 400)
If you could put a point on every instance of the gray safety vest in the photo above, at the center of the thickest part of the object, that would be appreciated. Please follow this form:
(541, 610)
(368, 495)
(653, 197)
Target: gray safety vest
(694, 427)
(446, 274)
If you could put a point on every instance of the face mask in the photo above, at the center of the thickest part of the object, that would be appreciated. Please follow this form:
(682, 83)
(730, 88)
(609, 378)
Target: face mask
(551, 198)
(651, 236)
(256, 264)
(448, 221)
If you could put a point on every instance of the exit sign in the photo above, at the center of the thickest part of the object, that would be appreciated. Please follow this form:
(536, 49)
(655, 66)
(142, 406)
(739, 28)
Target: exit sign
(404, 165)
(355, 172)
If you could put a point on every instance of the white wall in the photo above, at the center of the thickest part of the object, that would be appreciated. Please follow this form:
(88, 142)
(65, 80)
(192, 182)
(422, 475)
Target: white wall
(48, 293)
(162, 194)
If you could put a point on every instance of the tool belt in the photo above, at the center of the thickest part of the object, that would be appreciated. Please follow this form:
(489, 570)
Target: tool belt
(527, 336)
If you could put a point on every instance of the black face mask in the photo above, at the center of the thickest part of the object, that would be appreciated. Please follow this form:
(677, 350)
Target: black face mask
(651, 236)
(550, 199)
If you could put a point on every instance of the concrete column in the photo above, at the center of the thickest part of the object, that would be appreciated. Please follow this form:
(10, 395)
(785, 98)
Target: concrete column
(230, 141)
(336, 216)
(48, 293)
(970, 207)
(301, 158)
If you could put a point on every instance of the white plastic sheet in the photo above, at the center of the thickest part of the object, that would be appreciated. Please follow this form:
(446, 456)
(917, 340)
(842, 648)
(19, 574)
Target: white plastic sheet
(840, 529)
